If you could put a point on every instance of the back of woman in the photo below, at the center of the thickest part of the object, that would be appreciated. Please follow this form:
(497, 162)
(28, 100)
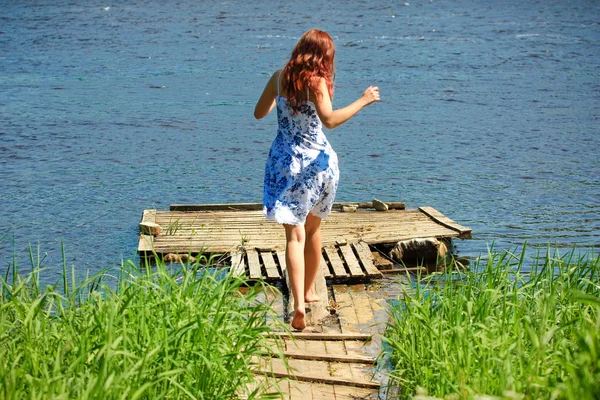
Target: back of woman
(301, 174)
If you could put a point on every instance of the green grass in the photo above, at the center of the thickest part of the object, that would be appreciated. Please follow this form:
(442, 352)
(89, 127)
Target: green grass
(498, 331)
(178, 333)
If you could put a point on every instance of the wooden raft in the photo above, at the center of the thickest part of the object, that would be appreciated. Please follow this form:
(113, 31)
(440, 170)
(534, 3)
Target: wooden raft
(256, 246)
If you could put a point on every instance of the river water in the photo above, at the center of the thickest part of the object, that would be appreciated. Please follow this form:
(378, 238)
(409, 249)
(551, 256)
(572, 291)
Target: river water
(490, 113)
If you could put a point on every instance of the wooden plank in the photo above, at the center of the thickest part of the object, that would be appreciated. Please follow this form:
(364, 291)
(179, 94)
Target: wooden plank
(353, 393)
(275, 300)
(323, 391)
(216, 207)
(258, 206)
(341, 358)
(345, 309)
(351, 261)
(318, 310)
(366, 259)
(253, 264)
(238, 267)
(336, 262)
(281, 260)
(327, 274)
(445, 221)
(321, 379)
(270, 266)
(149, 216)
(336, 347)
(300, 390)
(146, 244)
(321, 336)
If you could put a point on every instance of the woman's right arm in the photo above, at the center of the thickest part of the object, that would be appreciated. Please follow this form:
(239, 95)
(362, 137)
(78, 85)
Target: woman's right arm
(331, 118)
(266, 102)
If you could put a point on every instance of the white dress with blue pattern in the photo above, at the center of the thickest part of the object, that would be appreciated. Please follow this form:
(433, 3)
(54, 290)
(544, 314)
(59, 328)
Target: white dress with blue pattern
(301, 175)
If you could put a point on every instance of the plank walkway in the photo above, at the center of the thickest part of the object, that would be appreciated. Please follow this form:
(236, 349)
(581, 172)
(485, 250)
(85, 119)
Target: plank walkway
(335, 357)
(255, 246)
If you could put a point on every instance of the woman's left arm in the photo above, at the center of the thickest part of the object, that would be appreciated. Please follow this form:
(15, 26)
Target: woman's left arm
(266, 102)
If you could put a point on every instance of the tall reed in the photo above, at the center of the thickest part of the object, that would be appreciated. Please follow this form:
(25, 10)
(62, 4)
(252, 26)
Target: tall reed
(153, 333)
(500, 331)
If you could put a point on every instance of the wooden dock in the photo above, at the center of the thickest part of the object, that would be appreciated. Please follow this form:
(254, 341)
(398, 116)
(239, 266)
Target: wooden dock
(255, 247)
(336, 356)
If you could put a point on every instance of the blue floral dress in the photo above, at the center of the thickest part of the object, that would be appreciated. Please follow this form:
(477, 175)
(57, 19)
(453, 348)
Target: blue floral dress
(301, 175)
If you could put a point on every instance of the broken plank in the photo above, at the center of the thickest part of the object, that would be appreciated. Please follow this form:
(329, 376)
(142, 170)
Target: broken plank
(445, 221)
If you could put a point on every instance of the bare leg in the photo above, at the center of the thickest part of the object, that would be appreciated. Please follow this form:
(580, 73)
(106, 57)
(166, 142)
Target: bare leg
(294, 261)
(312, 256)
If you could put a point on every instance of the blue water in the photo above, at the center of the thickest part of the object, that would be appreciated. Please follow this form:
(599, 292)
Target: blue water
(490, 113)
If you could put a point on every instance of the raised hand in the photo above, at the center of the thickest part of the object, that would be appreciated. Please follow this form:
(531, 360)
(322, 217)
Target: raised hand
(370, 95)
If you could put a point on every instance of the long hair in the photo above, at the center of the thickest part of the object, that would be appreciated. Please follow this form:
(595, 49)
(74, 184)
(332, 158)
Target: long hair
(312, 59)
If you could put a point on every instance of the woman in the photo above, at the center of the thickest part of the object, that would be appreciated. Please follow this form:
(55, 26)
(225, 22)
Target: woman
(301, 174)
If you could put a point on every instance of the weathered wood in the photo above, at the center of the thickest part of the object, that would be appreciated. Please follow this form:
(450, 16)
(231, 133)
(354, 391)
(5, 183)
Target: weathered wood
(318, 310)
(149, 228)
(238, 268)
(274, 298)
(270, 266)
(227, 227)
(366, 259)
(351, 261)
(325, 268)
(149, 216)
(342, 358)
(354, 393)
(345, 309)
(403, 269)
(146, 244)
(321, 336)
(320, 379)
(443, 220)
(216, 207)
(253, 264)
(281, 260)
(335, 261)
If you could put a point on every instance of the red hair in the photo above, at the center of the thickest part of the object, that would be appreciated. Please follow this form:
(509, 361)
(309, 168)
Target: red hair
(311, 59)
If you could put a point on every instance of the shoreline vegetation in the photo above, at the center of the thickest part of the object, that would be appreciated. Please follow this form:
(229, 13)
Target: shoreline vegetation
(161, 332)
(499, 331)
(496, 331)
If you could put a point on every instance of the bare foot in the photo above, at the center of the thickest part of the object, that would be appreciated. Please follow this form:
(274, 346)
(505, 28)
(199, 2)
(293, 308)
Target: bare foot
(311, 298)
(298, 322)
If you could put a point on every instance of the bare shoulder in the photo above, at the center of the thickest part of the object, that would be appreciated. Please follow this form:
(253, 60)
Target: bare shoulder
(322, 90)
